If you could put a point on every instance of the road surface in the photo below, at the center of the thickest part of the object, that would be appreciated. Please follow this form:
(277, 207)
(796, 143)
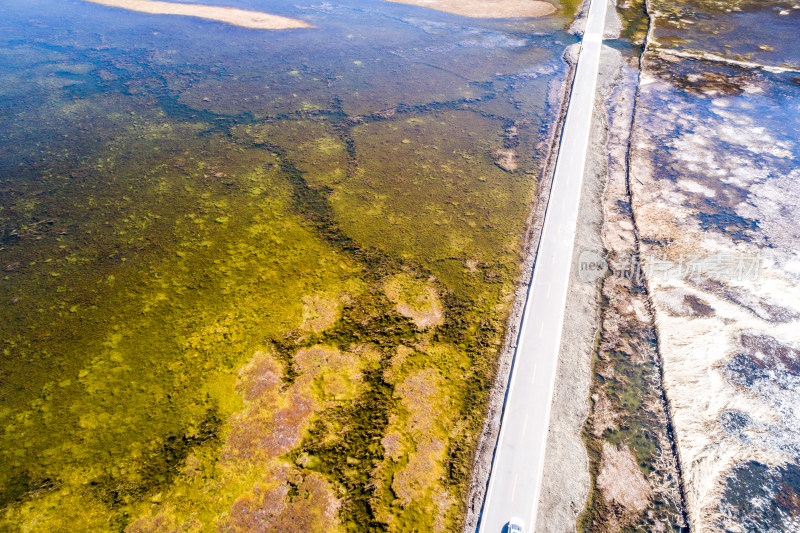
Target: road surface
(515, 479)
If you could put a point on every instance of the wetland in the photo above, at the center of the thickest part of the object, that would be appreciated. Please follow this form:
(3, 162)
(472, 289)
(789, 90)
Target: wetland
(262, 271)
(255, 280)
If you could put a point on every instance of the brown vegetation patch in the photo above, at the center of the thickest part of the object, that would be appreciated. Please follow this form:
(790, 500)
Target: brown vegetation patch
(416, 300)
(678, 302)
(275, 419)
(714, 83)
(605, 416)
(767, 352)
(415, 451)
(403, 353)
(621, 480)
(273, 422)
(697, 306)
(413, 482)
(443, 503)
(260, 378)
(419, 395)
(292, 502)
(161, 524)
(267, 430)
(319, 313)
(392, 444)
(505, 159)
(334, 375)
(788, 498)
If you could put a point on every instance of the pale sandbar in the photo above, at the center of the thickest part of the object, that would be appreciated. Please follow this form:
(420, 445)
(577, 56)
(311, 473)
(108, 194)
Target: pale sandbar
(490, 9)
(237, 17)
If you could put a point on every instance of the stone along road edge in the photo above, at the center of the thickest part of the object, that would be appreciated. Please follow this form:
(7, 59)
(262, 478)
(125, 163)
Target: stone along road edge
(518, 463)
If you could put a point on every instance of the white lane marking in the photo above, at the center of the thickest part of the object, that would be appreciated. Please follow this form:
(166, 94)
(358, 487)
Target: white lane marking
(548, 290)
(533, 377)
(514, 488)
(555, 256)
(541, 330)
(525, 425)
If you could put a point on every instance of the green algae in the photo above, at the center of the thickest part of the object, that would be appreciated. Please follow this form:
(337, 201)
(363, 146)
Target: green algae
(204, 314)
(210, 322)
(205, 261)
(464, 197)
(635, 21)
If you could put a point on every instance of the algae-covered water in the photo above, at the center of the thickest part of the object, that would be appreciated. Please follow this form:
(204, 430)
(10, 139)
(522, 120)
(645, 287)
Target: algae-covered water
(252, 280)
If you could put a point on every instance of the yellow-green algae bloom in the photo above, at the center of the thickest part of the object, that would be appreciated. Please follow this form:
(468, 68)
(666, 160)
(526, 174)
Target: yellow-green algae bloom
(236, 299)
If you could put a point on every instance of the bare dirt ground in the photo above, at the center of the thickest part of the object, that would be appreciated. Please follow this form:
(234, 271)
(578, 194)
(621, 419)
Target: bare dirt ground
(237, 17)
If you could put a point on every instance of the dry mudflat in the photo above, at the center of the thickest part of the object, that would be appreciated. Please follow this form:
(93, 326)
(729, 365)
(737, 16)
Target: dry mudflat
(237, 17)
(487, 8)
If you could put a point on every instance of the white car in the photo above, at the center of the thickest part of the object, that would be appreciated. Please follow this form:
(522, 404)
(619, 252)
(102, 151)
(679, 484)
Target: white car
(515, 526)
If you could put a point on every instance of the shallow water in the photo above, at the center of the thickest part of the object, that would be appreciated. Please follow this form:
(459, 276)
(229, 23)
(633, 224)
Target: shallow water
(179, 198)
(765, 33)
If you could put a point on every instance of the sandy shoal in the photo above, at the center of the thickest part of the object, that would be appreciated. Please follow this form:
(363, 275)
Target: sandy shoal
(237, 17)
(487, 8)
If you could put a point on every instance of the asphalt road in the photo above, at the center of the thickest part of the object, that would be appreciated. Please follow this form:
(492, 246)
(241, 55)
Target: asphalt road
(515, 480)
